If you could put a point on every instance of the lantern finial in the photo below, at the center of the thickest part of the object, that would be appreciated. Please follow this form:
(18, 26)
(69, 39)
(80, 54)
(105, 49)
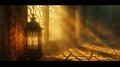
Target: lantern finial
(33, 17)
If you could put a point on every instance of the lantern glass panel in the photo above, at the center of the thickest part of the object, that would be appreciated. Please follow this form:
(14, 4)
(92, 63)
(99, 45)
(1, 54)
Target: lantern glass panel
(32, 39)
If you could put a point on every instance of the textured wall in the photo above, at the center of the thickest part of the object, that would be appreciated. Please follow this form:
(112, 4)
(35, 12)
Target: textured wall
(17, 23)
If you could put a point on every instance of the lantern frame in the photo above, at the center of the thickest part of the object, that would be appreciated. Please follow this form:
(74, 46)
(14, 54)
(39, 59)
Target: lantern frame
(31, 29)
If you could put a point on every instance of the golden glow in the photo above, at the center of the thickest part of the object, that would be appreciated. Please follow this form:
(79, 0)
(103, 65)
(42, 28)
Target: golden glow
(55, 15)
(64, 29)
(40, 18)
(55, 29)
(75, 54)
(32, 40)
(35, 39)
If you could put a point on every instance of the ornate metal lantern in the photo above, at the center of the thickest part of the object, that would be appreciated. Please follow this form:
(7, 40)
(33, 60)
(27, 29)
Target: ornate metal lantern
(33, 39)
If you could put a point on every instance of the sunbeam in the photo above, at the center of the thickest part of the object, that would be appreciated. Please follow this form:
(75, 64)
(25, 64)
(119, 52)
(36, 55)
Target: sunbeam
(69, 37)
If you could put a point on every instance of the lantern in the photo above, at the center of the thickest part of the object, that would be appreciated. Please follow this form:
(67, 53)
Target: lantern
(33, 39)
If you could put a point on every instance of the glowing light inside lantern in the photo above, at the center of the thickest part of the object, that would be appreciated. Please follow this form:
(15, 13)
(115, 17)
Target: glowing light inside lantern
(32, 40)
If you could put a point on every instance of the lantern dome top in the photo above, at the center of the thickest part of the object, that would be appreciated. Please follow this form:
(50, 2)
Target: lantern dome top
(33, 25)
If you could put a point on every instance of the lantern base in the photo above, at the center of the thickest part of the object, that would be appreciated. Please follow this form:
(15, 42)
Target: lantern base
(31, 55)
